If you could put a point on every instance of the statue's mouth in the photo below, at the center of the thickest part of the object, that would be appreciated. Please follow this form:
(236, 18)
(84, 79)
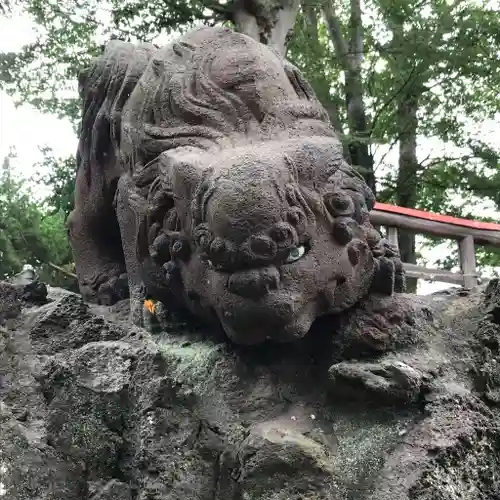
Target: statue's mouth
(251, 322)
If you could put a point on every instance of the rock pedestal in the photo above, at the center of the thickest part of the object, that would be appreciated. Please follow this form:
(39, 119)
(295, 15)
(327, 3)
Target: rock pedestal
(370, 405)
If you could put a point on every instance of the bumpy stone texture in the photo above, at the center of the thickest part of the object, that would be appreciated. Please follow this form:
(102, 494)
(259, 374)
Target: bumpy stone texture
(10, 303)
(210, 178)
(29, 287)
(389, 402)
(23, 288)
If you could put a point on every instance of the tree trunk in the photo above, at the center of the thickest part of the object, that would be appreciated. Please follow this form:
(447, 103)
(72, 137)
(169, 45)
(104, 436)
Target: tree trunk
(407, 182)
(311, 28)
(268, 21)
(350, 54)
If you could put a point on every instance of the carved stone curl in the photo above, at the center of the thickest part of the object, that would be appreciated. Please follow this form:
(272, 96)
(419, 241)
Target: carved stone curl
(230, 190)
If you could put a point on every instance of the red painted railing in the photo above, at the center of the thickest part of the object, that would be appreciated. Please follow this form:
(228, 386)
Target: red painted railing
(447, 219)
(467, 232)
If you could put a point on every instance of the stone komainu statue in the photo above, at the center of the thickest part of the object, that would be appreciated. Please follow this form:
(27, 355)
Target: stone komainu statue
(209, 178)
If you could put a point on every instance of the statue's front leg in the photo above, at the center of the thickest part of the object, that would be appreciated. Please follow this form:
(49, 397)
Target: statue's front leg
(137, 308)
(128, 230)
(95, 240)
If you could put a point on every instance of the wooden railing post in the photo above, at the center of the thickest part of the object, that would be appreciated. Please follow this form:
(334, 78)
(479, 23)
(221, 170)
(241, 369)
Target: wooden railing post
(468, 261)
(392, 236)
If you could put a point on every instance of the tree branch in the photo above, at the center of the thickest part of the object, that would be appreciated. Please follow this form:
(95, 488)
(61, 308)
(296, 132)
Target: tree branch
(222, 10)
(391, 99)
(335, 32)
(62, 270)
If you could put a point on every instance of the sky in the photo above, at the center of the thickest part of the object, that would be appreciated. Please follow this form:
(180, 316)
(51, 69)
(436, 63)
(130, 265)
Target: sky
(27, 130)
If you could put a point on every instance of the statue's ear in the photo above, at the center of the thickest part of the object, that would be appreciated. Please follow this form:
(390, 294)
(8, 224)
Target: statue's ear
(345, 193)
(164, 190)
(181, 170)
(173, 173)
(299, 83)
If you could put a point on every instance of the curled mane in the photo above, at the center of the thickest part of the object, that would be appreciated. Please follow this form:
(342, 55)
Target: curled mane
(104, 87)
(209, 89)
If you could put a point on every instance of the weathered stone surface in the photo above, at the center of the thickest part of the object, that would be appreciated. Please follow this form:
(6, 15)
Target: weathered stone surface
(209, 177)
(10, 305)
(29, 287)
(111, 490)
(116, 413)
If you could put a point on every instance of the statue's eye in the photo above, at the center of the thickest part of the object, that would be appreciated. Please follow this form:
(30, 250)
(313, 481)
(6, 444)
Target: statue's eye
(295, 254)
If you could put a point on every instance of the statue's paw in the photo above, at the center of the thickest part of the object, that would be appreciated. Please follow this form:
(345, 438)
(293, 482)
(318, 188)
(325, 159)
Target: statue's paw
(389, 275)
(138, 312)
(389, 380)
(112, 290)
(378, 324)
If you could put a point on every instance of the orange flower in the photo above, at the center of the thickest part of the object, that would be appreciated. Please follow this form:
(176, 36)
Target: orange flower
(150, 306)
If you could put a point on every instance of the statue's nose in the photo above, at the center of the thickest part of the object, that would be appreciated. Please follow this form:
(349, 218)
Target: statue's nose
(254, 283)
